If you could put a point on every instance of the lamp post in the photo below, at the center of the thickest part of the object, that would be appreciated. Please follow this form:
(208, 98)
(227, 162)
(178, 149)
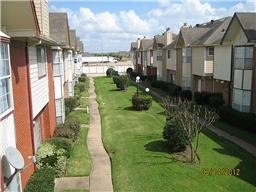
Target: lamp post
(138, 81)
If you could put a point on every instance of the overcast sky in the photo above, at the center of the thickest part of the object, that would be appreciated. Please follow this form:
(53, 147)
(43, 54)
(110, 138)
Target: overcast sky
(112, 25)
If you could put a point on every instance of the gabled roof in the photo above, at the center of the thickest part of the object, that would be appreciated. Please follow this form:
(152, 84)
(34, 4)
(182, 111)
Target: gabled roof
(209, 33)
(59, 29)
(158, 41)
(72, 37)
(172, 44)
(247, 22)
(146, 44)
(134, 46)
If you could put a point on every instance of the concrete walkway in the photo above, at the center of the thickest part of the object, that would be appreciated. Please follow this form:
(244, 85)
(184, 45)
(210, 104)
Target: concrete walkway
(100, 177)
(241, 143)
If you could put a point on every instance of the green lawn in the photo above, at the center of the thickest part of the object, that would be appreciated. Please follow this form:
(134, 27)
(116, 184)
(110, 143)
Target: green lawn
(79, 163)
(140, 163)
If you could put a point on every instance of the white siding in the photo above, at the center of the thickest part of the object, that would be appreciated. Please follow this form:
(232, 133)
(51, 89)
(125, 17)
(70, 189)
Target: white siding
(198, 60)
(7, 139)
(222, 62)
(39, 86)
(58, 88)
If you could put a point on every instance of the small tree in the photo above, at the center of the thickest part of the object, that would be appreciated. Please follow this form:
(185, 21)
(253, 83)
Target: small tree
(192, 118)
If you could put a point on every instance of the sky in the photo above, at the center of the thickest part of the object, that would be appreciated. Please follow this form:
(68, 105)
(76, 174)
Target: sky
(111, 25)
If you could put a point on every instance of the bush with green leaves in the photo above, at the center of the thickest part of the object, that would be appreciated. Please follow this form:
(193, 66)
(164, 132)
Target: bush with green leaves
(73, 124)
(82, 79)
(71, 103)
(42, 180)
(141, 101)
(122, 82)
(174, 135)
(49, 156)
(186, 95)
(80, 86)
(111, 72)
(62, 143)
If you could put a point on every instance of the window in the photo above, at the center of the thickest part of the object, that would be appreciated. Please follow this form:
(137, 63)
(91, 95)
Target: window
(186, 54)
(169, 54)
(5, 79)
(210, 51)
(159, 56)
(59, 105)
(41, 60)
(243, 57)
(242, 85)
(57, 63)
(37, 133)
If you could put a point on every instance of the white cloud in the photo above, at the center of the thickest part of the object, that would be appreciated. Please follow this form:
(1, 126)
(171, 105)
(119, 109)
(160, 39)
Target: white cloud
(116, 30)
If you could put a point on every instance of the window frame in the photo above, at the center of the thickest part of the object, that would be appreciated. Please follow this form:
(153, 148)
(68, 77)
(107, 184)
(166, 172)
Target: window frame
(41, 61)
(210, 51)
(6, 98)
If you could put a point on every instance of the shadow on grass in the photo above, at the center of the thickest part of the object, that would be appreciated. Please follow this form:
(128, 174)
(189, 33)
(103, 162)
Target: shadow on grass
(245, 170)
(116, 89)
(155, 146)
(130, 108)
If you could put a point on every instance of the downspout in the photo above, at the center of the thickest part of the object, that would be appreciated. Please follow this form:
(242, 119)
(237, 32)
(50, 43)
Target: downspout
(30, 102)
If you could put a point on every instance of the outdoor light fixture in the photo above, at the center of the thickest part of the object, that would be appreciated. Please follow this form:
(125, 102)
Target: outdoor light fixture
(138, 81)
(147, 90)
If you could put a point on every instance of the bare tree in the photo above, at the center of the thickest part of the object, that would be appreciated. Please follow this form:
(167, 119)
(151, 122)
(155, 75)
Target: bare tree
(193, 118)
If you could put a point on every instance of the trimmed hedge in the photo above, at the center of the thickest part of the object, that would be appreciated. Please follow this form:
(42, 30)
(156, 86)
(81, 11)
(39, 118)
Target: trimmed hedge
(214, 100)
(71, 103)
(141, 101)
(175, 136)
(111, 72)
(61, 143)
(122, 82)
(42, 180)
(245, 121)
(186, 95)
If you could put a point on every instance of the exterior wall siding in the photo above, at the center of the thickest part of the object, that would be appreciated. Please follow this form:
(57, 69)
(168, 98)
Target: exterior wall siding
(222, 62)
(198, 60)
(22, 110)
(42, 15)
(39, 86)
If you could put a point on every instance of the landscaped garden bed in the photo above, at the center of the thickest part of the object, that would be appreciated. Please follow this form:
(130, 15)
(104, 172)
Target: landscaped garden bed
(140, 162)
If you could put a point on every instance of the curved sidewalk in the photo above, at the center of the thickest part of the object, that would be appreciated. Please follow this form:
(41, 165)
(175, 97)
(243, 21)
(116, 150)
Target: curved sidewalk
(100, 177)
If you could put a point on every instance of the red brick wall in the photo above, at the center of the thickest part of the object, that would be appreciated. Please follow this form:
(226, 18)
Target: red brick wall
(50, 108)
(21, 105)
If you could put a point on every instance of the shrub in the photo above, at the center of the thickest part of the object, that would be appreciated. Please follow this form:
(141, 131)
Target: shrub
(175, 136)
(122, 82)
(111, 72)
(141, 101)
(246, 121)
(71, 103)
(82, 79)
(48, 156)
(161, 85)
(61, 143)
(42, 180)
(174, 90)
(80, 86)
(129, 71)
(62, 131)
(73, 124)
(216, 100)
(186, 95)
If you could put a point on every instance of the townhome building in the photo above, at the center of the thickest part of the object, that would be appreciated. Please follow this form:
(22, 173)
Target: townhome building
(239, 46)
(59, 31)
(169, 62)
(145, 57)
(32, 85)
(203, 55)
(134, 53)
(7, 124)
(79, 49)
(159, 62)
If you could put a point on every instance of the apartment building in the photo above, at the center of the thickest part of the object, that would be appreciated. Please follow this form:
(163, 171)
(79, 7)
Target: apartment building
(32, 87)
(239, 42)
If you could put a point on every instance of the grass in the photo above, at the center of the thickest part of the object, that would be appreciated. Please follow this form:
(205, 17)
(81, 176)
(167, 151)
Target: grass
(75, 190)
(79, 163)
(245, 135)
(139, 162)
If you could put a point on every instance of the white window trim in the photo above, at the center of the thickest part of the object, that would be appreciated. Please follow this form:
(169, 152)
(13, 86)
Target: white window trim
(41, 61)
